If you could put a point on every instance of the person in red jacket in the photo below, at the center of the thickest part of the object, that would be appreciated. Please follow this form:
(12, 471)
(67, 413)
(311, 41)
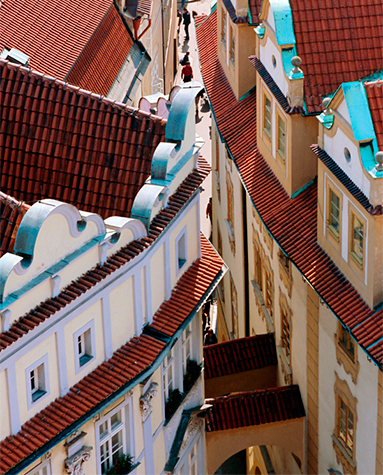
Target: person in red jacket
(187, 72)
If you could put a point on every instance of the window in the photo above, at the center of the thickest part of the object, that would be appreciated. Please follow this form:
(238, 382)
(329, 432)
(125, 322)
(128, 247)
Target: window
(281, 139)
(269, 292)
(181, 249)
(216, 170)
(267, 116)
(345, 426)
(223, 29)
(168, 374)
(230, 211)
(357, 237)
(257, 266)
(113, 437)
(286, 334)
(346, 342)
(186, 347)
(221, 288)
(37, 380)
(43, 468)
(334, 214)
(232, 46)
(234, 308)
(193, 460)
(84, 345)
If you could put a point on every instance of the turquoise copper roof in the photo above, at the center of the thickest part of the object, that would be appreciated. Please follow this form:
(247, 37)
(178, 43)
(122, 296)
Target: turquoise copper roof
(283, 19)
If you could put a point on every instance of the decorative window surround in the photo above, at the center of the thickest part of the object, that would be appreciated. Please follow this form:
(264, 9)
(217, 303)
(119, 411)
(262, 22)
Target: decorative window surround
(234, 308)
(286, 326)
(146, 399)
(343, 393)
(231, 236)
(84, 346)
(262, 309)
(44, 468)
(350, 364)
(37, 380)
(285, 365)
(285, 273)
(77, 453)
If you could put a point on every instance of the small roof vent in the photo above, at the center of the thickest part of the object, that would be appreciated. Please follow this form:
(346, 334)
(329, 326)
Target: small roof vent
(16, 56)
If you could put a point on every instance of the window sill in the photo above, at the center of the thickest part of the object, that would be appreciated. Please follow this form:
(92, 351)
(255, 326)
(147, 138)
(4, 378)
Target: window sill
(333, 233)
(38, 394)
(265, 312)
(343, 456)
(281, 157)
(356, 260)
(85, 359)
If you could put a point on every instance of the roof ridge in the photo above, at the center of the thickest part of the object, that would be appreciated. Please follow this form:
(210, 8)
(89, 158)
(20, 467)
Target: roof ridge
(78, 90)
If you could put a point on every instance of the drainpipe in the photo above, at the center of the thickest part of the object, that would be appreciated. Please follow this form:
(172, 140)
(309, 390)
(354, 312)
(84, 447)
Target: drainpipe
(163, 44)
(245, 263)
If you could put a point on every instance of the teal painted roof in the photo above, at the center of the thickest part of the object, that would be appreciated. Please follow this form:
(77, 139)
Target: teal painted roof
(359, 111)
(283, 19)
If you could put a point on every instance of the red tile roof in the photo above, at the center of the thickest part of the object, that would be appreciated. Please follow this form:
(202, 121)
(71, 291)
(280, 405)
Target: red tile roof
(254, 408)
(11, 214)
(255, 9)
(91, 278)
(233, 14)
(374, 92)
(71, 145)
(292, 222)
(114, 375)
(338, 41)
(64, 38)
(242, 354)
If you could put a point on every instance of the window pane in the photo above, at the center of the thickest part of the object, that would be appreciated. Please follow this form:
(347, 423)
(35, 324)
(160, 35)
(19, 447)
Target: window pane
(267, 116)
(116, 420)
(342, 422)
(350, 432)
(334, 211)
(103, 429)
(104, 451)
(357, 246)
(117, 445)
(281, 136)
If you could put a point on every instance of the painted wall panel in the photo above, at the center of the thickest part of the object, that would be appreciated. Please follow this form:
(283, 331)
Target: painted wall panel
(157, 278)
(5, 428)
(122, 313)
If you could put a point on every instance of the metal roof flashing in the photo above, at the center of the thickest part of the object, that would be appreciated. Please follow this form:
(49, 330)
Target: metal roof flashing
(283, 19)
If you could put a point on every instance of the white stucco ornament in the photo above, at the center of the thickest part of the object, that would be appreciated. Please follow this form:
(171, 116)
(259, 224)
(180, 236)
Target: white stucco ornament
(146, 399)
(73, 464)
(195, 425)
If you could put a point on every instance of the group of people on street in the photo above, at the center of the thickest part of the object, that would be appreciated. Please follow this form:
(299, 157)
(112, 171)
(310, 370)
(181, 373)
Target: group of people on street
(187, 71)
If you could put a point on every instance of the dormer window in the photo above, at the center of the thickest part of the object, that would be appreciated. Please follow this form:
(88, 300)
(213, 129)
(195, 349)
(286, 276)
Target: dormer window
(267, 116)
(357, 240)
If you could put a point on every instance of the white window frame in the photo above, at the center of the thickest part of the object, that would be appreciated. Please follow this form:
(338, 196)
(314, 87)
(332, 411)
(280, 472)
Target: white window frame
(193, 459)
(166, 365)
(126, 426)
(187, 340)
(181, 254)
(40, 370)
(38, 470)
(90, 342)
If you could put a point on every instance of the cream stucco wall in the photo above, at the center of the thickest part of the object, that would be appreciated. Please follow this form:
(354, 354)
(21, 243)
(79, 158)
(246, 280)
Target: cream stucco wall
(5, 428)
(122, 308)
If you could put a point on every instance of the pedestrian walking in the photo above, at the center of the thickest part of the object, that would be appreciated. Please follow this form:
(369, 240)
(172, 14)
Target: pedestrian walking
(209, 210)
(185, 59)
(210, 338)
(179, 16)
(186, 17)
(187, 72)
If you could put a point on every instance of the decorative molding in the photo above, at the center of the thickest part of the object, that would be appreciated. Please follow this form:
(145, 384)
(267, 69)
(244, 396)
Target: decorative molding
(73, 464)
(146, 399)
(343, 359)
(195, 425)
(285, 367)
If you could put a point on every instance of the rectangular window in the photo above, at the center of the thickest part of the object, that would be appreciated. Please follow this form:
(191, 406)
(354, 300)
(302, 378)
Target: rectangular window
(193, 460)
(43, 468)
(168, 374)
(269, 292)
(334, 214)
(257, 266)
(234, 308)
(286, 334)
(112, 433)
(281, 139)
(37, 380)
(84, 345)
(232, 46)
(345, 426)
(221, 287)
(267, 116)
(181, 249)
(357, 238)
(223, 29)
(186, 347)
(346, 342)
(216, 169)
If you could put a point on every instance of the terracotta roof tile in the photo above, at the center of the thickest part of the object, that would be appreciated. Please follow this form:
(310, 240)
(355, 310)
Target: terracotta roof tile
(255, 9)
(11, 214)
(291, 222)
(254, 408)
(84, 42)
(136, 356)
(64, 156)
(374, 92)
(44, 310)
(341, 38)
(242, 354)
